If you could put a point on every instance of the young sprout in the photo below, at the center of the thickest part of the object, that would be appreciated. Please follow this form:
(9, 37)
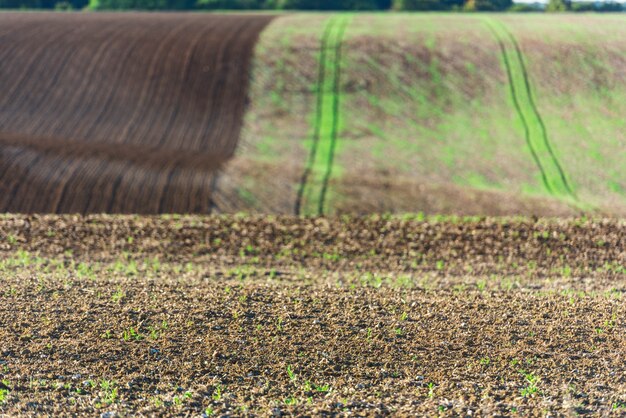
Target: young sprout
(292, 375)
(431, 390)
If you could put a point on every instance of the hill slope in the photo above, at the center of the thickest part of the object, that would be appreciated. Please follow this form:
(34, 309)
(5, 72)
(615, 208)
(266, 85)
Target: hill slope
(467, 114)
(119, 112)
(346, 113)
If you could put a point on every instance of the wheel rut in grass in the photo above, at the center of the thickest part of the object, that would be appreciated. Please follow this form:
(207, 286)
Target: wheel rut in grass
(318, 117)
(314, 183)
(535, 132)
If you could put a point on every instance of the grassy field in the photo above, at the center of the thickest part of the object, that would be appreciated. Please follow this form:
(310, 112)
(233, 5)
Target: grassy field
(191, 315)
(472, 114)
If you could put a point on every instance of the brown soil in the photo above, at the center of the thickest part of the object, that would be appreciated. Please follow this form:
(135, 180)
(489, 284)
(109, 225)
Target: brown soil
(270, 316)
(386, 193)
(124, 113)
(489, 245)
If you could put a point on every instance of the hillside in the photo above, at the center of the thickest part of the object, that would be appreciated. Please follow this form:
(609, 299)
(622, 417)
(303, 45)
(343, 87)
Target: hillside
(466, 114)
(119, 113)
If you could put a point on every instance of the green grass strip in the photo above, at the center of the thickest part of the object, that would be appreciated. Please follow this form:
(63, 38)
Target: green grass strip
(321, 70)
(535, 132)
(314, 184)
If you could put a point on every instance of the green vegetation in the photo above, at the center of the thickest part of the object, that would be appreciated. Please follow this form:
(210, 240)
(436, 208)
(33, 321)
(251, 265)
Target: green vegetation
(535, 133)
(488, 5)
(131, 334)
(580, 107)
(558, 6)
(314, 184)
(321, 5)
(109, 391)
(531, 381)
(3, 395)
(424, 5)
(466, 114)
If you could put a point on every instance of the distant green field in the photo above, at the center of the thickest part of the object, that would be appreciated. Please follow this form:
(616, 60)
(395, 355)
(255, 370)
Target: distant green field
(466, 114)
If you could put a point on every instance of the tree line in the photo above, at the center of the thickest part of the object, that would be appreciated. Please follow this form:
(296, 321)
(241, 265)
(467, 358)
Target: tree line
(324, 5)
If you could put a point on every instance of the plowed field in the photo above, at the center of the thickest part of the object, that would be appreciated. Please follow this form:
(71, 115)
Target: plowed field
(271, 316)
(123, 113)
(150, 113)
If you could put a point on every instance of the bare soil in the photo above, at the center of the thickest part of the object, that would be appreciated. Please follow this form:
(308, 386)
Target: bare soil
(267, 316)
(120, 113)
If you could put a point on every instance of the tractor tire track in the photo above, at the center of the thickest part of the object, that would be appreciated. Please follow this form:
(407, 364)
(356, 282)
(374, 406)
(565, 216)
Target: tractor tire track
(544, 131)
(318, 115)
(335, 125)
(535, 132)
(313, 188)
(518, 109)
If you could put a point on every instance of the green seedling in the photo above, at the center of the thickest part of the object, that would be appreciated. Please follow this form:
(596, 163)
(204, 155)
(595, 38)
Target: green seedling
(618, 405)
(431, 389)
(291, 401)
(531, 387)
(292, 375)
(117, 296)
(131, 334)
(154, 333)
(109, 391)
(4, 393)
(217, 393)
(322, 388)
